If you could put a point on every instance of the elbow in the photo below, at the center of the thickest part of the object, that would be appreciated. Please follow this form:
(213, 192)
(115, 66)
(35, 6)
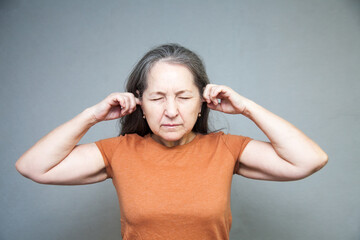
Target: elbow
(318, 164)
(322, 162)
(312, 168)
(22, 166)
(25, 173)
(21, 169)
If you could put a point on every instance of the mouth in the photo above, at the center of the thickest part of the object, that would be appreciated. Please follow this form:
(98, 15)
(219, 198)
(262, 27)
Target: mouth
(171, 125)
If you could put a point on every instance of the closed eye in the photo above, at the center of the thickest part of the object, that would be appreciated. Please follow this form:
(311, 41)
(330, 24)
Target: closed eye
(156, 99)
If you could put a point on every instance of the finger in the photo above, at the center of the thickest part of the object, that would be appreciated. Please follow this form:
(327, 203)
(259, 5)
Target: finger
(214, 93)
(132, 103)
(211, 96)
(212, 106)
(206, 93)
(115, 100)
(127, 104)
(137, 101)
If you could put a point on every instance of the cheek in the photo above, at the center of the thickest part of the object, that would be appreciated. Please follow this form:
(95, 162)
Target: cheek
(189, 112)
(153, 112)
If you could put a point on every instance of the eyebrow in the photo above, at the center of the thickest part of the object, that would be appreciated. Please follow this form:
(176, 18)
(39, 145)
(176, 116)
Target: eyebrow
(162, 93)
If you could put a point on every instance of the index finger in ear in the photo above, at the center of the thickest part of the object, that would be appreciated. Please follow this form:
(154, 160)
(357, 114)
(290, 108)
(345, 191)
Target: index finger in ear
(137, 101)
(206, 93)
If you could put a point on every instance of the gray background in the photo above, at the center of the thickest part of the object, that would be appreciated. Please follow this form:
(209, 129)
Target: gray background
(299, 59)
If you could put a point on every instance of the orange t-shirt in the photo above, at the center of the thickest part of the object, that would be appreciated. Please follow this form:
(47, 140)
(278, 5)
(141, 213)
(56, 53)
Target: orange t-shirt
(181, 192)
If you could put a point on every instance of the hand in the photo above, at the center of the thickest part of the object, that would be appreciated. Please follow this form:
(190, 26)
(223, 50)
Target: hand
(114, 106)
(230, 101)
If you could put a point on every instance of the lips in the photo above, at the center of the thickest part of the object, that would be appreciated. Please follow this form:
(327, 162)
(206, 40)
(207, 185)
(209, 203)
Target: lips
(171, 125)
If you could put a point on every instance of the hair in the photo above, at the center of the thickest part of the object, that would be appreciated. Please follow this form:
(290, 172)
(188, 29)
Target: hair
(137, 81)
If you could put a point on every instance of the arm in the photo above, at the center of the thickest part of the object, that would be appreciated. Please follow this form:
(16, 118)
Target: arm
(55, 146)
(290, 154)
(56, 159)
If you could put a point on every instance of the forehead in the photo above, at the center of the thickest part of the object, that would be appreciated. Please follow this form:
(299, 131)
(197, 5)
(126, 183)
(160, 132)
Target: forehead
(164, 76)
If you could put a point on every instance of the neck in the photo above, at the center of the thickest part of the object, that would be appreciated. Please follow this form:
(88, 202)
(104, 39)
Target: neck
(184, 140)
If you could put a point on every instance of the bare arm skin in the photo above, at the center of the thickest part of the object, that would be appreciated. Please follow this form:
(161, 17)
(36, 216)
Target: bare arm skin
(290, 154)
(57, 159)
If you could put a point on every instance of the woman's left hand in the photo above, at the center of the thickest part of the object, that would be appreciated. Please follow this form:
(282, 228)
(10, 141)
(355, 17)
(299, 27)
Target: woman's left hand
(230, 101)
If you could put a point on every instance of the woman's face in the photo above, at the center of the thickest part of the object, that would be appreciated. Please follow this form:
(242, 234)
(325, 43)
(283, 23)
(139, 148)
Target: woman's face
(171, 103)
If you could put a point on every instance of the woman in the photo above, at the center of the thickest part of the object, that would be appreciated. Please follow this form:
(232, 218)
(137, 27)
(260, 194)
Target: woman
(172, 175)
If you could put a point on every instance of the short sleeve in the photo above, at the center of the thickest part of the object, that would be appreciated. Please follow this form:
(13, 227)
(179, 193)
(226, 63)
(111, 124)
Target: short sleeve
(107, 148)
(236, 144)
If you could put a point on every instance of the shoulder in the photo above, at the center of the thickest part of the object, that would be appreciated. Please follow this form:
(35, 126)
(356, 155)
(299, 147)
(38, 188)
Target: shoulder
(213, 134)
(235, 143)
(116, 145)
(210, 137)
(223, 138)
(226, 137)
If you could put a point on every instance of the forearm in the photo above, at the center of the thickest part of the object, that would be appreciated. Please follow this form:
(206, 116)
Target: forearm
(290, 143)
(55, 146)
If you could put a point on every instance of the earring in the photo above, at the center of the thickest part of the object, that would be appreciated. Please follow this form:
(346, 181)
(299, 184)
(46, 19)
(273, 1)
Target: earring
(199, 114)
(143, 116)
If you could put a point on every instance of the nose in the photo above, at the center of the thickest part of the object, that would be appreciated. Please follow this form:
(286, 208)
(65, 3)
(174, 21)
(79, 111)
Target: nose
(171, 108)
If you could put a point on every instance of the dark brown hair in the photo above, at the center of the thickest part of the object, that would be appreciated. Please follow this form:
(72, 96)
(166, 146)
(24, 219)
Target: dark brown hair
(172, 53)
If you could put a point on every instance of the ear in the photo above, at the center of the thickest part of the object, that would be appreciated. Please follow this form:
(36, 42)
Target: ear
(140, 99)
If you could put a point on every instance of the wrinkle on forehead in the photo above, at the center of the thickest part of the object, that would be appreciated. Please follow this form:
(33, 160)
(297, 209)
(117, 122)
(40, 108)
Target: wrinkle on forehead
(169, 77)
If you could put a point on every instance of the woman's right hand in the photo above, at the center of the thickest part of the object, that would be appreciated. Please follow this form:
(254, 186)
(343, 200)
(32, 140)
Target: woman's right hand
(114, 106)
